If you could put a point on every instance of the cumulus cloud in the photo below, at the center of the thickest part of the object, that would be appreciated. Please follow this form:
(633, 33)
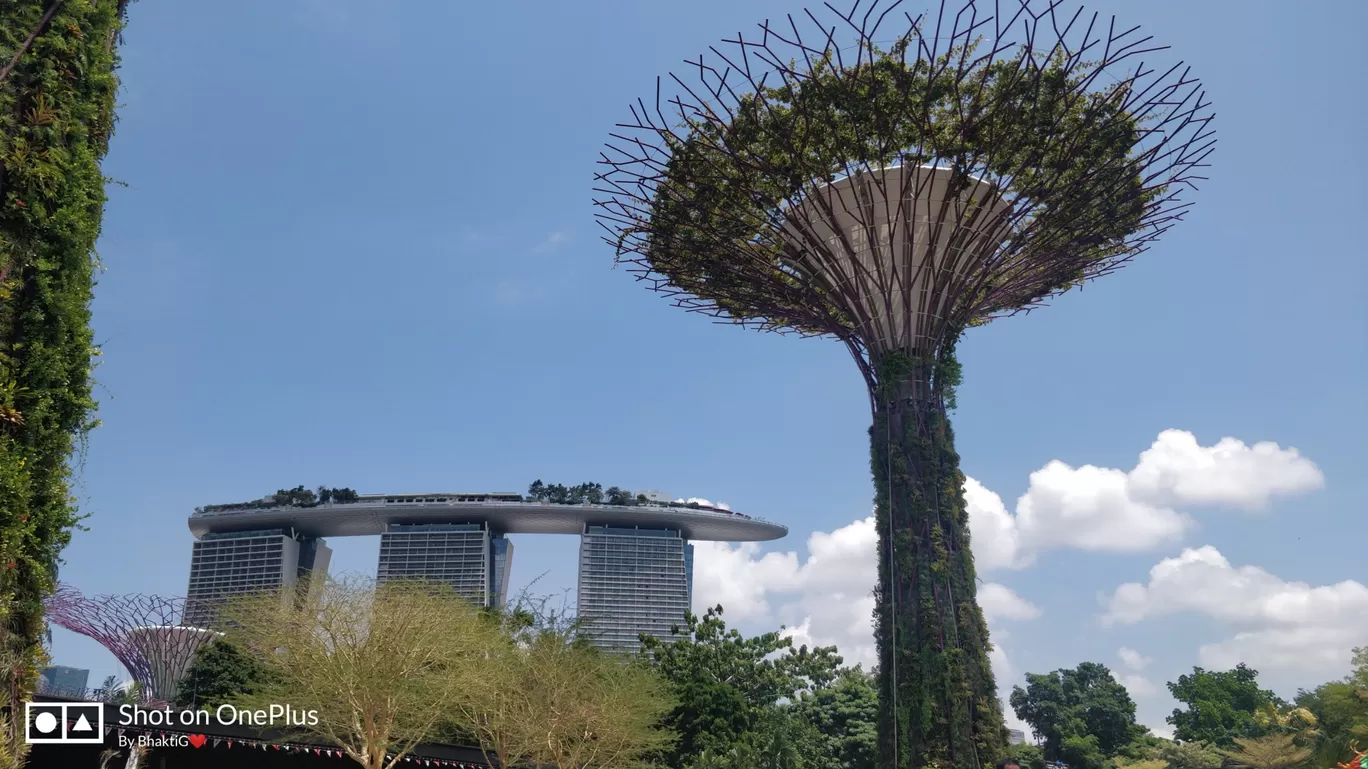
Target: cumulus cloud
(739, 578)
(1177, 471)
(1132, 659)
(992, 530)
(1001, 602)
(1138, 686)
(825, 599)
(1278, 625)
(1111, 510)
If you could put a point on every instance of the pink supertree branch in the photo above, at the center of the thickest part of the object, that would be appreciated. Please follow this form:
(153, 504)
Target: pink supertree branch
(144, 632)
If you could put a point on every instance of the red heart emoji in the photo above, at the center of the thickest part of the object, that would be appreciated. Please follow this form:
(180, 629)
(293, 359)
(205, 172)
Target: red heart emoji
(197, 740)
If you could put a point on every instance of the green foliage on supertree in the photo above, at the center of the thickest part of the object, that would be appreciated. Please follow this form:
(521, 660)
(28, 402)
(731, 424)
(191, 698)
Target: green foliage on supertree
(716, 223)
(928, 624)
(56, 117)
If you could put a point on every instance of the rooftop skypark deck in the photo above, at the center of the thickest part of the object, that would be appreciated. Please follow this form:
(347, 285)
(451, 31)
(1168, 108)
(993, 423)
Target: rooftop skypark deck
(506, 513)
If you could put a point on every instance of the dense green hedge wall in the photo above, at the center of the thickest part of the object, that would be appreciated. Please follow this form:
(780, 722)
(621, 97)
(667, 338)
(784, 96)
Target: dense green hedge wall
(56, 116)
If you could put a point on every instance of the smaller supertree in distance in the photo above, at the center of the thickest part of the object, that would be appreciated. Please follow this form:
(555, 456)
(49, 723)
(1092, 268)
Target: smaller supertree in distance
(144, 632)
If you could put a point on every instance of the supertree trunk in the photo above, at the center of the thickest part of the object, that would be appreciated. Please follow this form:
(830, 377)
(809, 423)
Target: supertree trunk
(938, 699)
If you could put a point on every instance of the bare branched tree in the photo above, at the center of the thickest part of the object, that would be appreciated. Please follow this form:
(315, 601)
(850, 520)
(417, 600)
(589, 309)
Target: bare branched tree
(379, 664)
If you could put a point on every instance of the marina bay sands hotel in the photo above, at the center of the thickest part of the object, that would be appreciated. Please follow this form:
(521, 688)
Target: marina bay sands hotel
(635, 561)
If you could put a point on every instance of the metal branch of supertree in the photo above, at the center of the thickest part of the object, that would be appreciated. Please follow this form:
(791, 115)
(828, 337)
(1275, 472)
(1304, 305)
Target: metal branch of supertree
(144, 632)
(891, 180)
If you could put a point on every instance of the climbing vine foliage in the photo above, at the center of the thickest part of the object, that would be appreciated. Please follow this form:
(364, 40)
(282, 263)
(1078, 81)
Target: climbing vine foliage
(56, 117)
(938, 698)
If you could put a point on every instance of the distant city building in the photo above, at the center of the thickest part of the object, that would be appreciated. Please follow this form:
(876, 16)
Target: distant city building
(1016, 736)
(60, 679)
(224, 564)
(633, 581)
(466, 556)
(636, 560)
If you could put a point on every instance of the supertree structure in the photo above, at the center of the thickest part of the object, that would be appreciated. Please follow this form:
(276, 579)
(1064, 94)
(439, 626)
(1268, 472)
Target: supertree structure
(144, 632)
(890, 181)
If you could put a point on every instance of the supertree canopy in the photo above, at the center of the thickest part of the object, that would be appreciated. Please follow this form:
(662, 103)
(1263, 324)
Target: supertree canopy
(144, 632)
(891, 180)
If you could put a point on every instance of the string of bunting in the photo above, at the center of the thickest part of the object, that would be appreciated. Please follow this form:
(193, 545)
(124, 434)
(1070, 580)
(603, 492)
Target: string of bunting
(290, 747)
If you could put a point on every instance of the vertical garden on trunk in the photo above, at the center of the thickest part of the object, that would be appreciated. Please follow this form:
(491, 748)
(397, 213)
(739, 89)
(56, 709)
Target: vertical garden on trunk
(805, 180)
(57, 90)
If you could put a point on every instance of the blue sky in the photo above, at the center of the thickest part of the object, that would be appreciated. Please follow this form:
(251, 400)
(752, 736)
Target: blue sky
(357, 249)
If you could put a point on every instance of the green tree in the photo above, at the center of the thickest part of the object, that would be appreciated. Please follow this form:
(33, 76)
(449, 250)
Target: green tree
(550, 698)
(1340, 709)
(221, 673)
(725, 684)
(845, 717)
(1359, 676)
(1185, 755)
(780, 739)
(1028, 756)
(1220, 705)
(1083, 715)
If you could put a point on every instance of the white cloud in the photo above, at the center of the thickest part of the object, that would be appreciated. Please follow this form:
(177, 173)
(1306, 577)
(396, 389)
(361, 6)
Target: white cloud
(1000, 602)
(702, 501)
(1177, 471)
(1279, 625)
(1110, 510)
(992, 530)
(1089, 508)
(826, 599)
(1132, 659)
(739, 578)
(1138, 686)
